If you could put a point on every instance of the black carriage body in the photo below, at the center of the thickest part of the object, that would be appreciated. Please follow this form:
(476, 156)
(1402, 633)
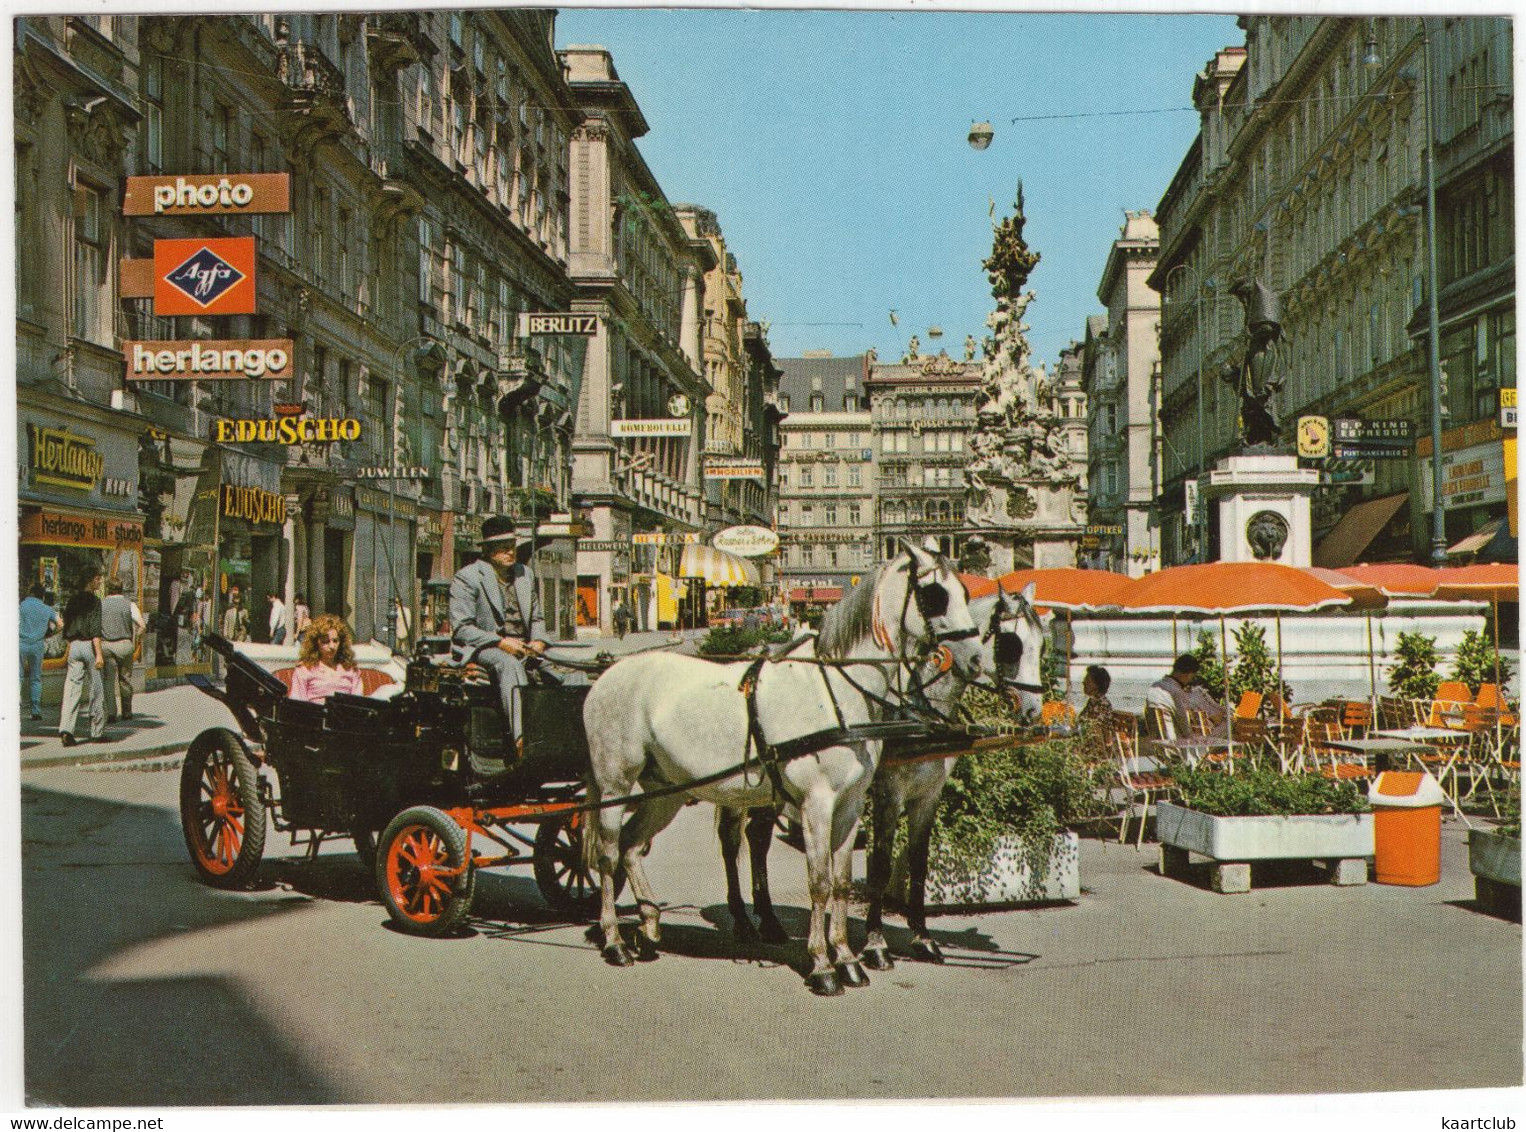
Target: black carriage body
(355, 762)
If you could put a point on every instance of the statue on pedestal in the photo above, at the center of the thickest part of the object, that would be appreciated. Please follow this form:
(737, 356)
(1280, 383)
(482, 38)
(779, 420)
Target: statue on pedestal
(1260, 375)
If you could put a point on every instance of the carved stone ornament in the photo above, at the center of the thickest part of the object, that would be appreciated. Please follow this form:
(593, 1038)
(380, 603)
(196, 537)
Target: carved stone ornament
(1020, 504)
(1267, 533)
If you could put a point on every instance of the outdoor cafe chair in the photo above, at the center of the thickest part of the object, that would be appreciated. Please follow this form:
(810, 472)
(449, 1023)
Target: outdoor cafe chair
(1141, 779)
(1356, 718)
(1290, 746)
(1454, 691)
(1489, 697)
(1328, 760)
(1250, 704)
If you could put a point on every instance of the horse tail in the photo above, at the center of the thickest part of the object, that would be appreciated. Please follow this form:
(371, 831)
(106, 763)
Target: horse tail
(591, 832)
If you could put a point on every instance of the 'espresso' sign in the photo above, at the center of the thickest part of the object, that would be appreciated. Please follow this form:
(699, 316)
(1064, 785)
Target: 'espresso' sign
(209, 361)
(253, 505)
(285, 430)
(232, 195)
(61, 458)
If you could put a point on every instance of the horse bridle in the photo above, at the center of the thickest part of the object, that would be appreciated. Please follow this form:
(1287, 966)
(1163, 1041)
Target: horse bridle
(1008, 651)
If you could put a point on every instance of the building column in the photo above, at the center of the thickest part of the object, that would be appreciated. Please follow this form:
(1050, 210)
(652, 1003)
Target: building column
(290, 531)
(689, 327)
(315, 579)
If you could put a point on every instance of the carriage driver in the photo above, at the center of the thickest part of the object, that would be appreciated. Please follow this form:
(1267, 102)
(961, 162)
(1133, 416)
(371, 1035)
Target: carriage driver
(495, 612)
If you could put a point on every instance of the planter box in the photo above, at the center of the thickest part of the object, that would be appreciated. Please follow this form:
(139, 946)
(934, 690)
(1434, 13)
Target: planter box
(1495, 862)
(1013, 878)
(1345, 841)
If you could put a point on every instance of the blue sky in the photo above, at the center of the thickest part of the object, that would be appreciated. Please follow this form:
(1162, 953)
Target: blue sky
(831, 144)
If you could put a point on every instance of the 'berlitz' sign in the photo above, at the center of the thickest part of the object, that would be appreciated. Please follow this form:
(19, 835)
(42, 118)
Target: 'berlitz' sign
(531, 323)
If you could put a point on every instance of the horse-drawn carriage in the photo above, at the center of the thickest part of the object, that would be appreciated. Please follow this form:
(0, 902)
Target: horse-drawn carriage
(430, 770)
(421, 781)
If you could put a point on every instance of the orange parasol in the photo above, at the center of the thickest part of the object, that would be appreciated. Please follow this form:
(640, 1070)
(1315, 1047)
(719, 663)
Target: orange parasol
(1069, 588)
(1493, 582)
(1397, 579)
(976, 586)
(1366, 596)
(1224, 588)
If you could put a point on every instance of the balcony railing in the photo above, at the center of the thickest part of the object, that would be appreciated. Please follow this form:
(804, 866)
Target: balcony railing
(306, 70)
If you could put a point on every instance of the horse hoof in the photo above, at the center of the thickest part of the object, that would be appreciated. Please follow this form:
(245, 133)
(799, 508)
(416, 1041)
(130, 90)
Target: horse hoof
(773, 932)
(878, 959)
(823, 983)
(616, 955)
(926, 950)
(646, 949)
(852, 974)
(743, 930)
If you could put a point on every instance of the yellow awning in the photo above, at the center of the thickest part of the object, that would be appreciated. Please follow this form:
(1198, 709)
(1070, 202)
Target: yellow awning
(717, 567)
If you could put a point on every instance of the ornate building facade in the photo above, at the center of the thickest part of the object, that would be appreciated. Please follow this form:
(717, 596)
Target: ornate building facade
(1308, 174)
(826, 477)
(923, 412)
(642, 275)
(1121, 369)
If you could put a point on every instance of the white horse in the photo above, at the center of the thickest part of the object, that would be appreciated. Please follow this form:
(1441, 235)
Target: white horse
(1011, 641)
(665, 720)
(1013, 637)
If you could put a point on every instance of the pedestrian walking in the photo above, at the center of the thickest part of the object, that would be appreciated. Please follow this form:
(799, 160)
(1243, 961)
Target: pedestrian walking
(38, 620)
(277, 620)
(236, 617)
(82, 678)
(120, 626)
(622, 618)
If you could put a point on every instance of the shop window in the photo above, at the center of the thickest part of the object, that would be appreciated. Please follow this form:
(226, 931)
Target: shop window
(152, 133)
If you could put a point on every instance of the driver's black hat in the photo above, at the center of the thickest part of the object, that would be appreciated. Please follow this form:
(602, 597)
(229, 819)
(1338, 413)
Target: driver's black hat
(502, 528)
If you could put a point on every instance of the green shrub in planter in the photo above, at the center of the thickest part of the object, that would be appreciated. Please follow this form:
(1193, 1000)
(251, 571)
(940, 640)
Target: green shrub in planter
(1266, 792)
(1414, 677)
(723, 641)
(1031, 792)
(1476, 661)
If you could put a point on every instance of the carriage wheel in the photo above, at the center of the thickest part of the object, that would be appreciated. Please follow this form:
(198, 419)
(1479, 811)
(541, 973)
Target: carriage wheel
(559, 872)
(221, 811)
(425, 879)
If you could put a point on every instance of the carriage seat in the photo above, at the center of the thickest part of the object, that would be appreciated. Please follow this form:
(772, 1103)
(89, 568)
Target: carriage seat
(371, 680)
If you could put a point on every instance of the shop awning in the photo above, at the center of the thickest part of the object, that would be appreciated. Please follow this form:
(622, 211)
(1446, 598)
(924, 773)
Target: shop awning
(1477, 540)
(819, 593)
(1350, 537)
(717, 567)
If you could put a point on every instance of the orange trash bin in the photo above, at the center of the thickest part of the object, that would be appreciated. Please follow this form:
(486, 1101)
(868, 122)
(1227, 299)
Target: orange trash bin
(1406, 828)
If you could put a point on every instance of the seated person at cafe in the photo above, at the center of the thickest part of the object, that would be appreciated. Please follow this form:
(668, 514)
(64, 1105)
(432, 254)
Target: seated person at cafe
(327, 662)
(1178, 693)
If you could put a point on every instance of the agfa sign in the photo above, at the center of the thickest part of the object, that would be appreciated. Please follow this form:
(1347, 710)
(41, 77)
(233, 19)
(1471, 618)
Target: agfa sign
(204, 276)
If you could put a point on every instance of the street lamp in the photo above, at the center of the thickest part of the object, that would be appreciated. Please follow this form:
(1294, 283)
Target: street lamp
(392, 467)
(1371, 58)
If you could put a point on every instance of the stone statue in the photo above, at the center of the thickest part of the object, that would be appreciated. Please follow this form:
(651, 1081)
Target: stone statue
(914, 348)
(1259, 377)
(871, 355)
(1267, 533)
(969, 347)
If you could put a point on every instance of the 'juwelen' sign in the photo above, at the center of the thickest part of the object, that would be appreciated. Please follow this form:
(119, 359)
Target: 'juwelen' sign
(285, 430)
(202, 361)
(253, 505)
(415, 472)
(232, 195)
(61, 458)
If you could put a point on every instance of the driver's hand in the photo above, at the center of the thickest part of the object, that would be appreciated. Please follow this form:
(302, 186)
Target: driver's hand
(512, 645)
(537, 647)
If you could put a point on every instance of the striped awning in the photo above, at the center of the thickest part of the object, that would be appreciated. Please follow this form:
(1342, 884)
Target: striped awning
(717, 567)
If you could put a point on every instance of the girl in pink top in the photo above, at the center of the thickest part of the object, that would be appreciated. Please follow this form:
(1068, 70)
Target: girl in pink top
(327, 662)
